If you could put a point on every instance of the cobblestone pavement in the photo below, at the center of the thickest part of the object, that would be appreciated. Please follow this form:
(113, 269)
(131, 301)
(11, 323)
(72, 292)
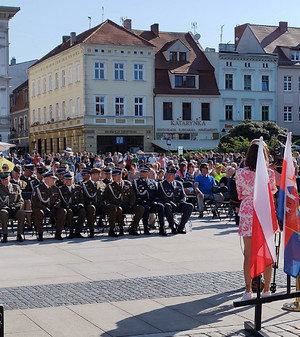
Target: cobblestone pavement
(53, 295)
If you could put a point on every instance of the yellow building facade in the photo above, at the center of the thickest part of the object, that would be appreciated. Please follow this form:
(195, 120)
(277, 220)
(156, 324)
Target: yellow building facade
(93, 93)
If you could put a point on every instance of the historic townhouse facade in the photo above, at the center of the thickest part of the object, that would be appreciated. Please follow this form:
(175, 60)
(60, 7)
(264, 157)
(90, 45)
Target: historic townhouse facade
(282, 41)
(247, 84)
(185, 94)
(6, 13)
(93, 92)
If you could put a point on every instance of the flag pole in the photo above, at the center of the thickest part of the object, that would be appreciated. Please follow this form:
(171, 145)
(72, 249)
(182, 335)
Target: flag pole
(294, 306)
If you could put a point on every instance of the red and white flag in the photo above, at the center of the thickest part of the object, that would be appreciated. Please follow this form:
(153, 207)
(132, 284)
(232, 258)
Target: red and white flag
(264, 225)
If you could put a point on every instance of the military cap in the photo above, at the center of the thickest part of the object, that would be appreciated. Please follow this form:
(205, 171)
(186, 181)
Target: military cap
(68, 175)
(49, 174)
(111, 164)
(116, 172)
(4, 176)
(29, 167)
(144, 168)
(17, 168)
(41, 170)
(107, 170)
(60, 170)
(95, 170)
(171, 170)
(85, 171)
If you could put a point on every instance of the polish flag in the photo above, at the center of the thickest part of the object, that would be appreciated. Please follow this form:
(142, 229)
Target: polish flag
(264, 225)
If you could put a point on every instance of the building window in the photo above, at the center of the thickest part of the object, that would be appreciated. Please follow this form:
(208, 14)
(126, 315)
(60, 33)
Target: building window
(77, 72)
(228, 81)
(247, 64)
(119, 106)
(287, 114)
(39, 115)
(77, 112)
(299, 83)
(247, 111)
(56, 80)
(138, 72)
(63, 77)
(70, 75)
(44, 85)
(205, 111)
(228, 64)
(70, 108)
(265, 65)
(299, 114)
(173, 55)
(25, 96)
(186, 111)
(33, 115)
(265, 83)
(50, 82)
(287, 83)
(25, 124)
(63, 110)
(119, 71)
(182, 56)
(99, 105)
(247, 82)
(50, 113)
(228, 112)
(139, 106)
(38, 87)
(183, 81)
(33, 88)
(45, 115)
(99, 70)
(265, 113)
(56, 111)
(167, 111)
(295, 56)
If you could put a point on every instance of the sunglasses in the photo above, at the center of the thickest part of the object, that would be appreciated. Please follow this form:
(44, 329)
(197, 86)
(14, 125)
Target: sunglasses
(5, 167)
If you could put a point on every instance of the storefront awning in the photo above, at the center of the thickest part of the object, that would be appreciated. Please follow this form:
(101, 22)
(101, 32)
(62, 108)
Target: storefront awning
(196, 145)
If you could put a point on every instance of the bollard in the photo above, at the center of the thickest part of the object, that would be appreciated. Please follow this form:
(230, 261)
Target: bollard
(1, 321)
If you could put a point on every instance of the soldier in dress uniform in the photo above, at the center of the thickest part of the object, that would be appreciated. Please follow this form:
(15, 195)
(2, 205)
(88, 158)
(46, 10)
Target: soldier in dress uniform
(86, 175)
(171, 193)
(15, 177)
(46, 201)
(147, 196)
(107, 175)
(121, 193)
(96, 203)
(40, 170)
(11, 204)
(73, 201)
(60, 177)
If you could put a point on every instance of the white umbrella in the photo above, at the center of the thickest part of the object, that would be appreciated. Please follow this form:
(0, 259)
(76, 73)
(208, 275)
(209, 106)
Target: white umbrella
(5, 146)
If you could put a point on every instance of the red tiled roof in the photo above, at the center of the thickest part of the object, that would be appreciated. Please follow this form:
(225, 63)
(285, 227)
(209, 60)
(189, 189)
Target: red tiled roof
(197, 64)
(107, 32)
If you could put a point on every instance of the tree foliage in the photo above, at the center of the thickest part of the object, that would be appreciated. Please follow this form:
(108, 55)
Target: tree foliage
(239, 137)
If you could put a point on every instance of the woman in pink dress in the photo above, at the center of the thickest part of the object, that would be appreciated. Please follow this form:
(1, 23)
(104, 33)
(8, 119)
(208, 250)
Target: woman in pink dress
(245, 188)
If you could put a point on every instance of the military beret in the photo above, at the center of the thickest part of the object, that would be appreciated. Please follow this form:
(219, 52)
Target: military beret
(61, 170)
(95, 170)
(116, 172)
(144, 168)
(49, 174)
(4, 176)
(171, 170)
(29, 167)
(107, 170)
(68, 175)
(85, 171)
(17, 168)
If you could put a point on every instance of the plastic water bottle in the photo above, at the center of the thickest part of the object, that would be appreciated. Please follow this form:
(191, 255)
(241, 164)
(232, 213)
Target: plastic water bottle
(190, 226)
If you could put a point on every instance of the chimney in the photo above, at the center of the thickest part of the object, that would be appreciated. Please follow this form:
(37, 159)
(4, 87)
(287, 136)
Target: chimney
(65, 38)
(72, 38)
(155, 29)
(283, 26)
(13, 61)
(127, 24)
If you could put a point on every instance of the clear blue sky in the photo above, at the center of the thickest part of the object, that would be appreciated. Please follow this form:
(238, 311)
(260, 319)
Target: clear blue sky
(39, 25)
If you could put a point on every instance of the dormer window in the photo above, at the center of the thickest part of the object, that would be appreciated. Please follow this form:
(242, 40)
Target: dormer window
(173, 55)
(295, 55)
(185, 81)
(182, 56)
(178, 56)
